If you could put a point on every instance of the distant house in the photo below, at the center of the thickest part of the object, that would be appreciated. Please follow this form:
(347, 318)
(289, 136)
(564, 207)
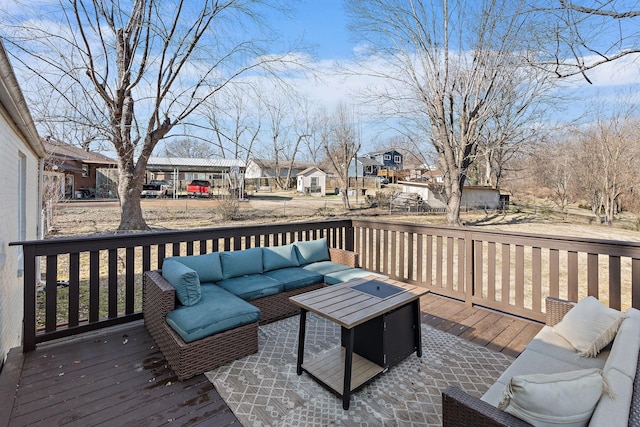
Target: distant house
(364, 166)
(473, 196)
(78, 173)
(391, 160)
(312, 181)
(20, 164)
(262, 168)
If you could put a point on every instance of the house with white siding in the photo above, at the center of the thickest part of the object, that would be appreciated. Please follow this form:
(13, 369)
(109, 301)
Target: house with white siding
(21, 166)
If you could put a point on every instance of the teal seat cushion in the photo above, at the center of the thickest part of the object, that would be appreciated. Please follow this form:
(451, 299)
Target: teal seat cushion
(312, 251)
(295, 277)
(325, 267)
(217, 311)
(252, 286)
(277, 257)
(241, 263)
(185, 281)
(346, 275)
(207, 266)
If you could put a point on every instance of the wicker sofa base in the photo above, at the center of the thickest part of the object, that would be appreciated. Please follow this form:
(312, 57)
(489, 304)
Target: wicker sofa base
(189, 359)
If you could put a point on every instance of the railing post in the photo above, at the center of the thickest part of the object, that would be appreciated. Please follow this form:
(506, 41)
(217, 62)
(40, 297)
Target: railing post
(349, 237)
(469, 284)
(29, 285)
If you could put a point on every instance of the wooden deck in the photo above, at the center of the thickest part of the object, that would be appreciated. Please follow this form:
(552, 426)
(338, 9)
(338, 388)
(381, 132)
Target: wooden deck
(118, 376)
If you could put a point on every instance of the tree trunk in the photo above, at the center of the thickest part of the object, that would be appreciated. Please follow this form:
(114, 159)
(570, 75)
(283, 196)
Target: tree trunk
(454, 203)
(129, 188)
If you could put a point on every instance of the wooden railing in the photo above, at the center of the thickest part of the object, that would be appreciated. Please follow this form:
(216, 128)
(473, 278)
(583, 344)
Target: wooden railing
(102, 275)
(506, 271)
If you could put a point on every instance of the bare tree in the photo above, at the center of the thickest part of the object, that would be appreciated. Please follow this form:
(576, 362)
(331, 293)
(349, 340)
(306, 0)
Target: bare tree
(445, 66)
(609, 156)
(341, 143)
(572, 38)
(187, 148)
(235, 121)
(553, 166)
(148, 64)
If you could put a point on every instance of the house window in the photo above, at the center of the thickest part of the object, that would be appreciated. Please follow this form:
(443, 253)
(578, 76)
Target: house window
(397, 159)
(85, 170)
(387, 156)
(314, 181)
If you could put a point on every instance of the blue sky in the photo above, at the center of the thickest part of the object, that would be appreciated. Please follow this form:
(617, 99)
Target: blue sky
(323, 23)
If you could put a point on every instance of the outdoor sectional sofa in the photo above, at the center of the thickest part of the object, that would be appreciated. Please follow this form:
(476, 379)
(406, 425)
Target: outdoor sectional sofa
(580, 369)
(204, 310)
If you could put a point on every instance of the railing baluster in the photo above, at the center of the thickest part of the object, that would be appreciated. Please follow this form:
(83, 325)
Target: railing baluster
(491, 271)
(505, 254)
(572, 275)
(554, 273)
(51, 290)
(94, 286)
(74, 289)
(113, 283)
(615, 285)
(130, 281)
(592, 275)
(519, 276)
(536, 279)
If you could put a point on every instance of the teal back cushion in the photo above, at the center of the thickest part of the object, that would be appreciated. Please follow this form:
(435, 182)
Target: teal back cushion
(312, 251)
(207, 266)
(241, 263)
(185, 281)
(277, 257)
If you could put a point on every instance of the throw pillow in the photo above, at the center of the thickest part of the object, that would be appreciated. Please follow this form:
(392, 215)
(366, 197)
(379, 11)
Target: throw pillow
(184, 280)
(312, 251)
(276, 257)
(589, 326)
(565, 398)
(207, 266)
(241, 263)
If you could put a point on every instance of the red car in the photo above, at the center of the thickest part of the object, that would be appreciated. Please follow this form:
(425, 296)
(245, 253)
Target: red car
(199, 188)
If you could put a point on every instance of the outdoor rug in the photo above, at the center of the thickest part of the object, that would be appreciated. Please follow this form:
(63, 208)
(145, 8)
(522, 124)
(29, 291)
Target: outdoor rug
(264, 390)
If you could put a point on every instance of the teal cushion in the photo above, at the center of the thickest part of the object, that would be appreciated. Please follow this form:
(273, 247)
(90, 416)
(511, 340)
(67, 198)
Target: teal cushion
(312, 251)
(241, 263)
(326, 267)
(184, 280)
(295, 277)
(252, 286)
(217, 311)
(346, 275)
(207, 266)
(277, 257)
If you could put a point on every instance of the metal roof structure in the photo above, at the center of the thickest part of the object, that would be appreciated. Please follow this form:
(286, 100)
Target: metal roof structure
(188, 164)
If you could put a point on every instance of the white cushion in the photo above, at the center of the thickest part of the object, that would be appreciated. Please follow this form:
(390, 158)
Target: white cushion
(566, 398)
(553, 345)
(589, 326)
(625, 348)
(614, 407)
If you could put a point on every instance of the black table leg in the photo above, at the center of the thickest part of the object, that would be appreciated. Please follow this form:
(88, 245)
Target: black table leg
(417, 327)
(346, 388)
(301, 336)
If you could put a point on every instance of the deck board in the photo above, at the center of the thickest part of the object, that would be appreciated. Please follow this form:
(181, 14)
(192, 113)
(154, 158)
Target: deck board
(118, 377)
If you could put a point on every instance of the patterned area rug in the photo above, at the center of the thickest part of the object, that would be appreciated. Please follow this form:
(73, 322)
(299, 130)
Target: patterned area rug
(264, 390)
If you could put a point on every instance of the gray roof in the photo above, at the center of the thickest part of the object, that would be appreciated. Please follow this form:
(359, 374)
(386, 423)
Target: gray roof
(365, 161)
